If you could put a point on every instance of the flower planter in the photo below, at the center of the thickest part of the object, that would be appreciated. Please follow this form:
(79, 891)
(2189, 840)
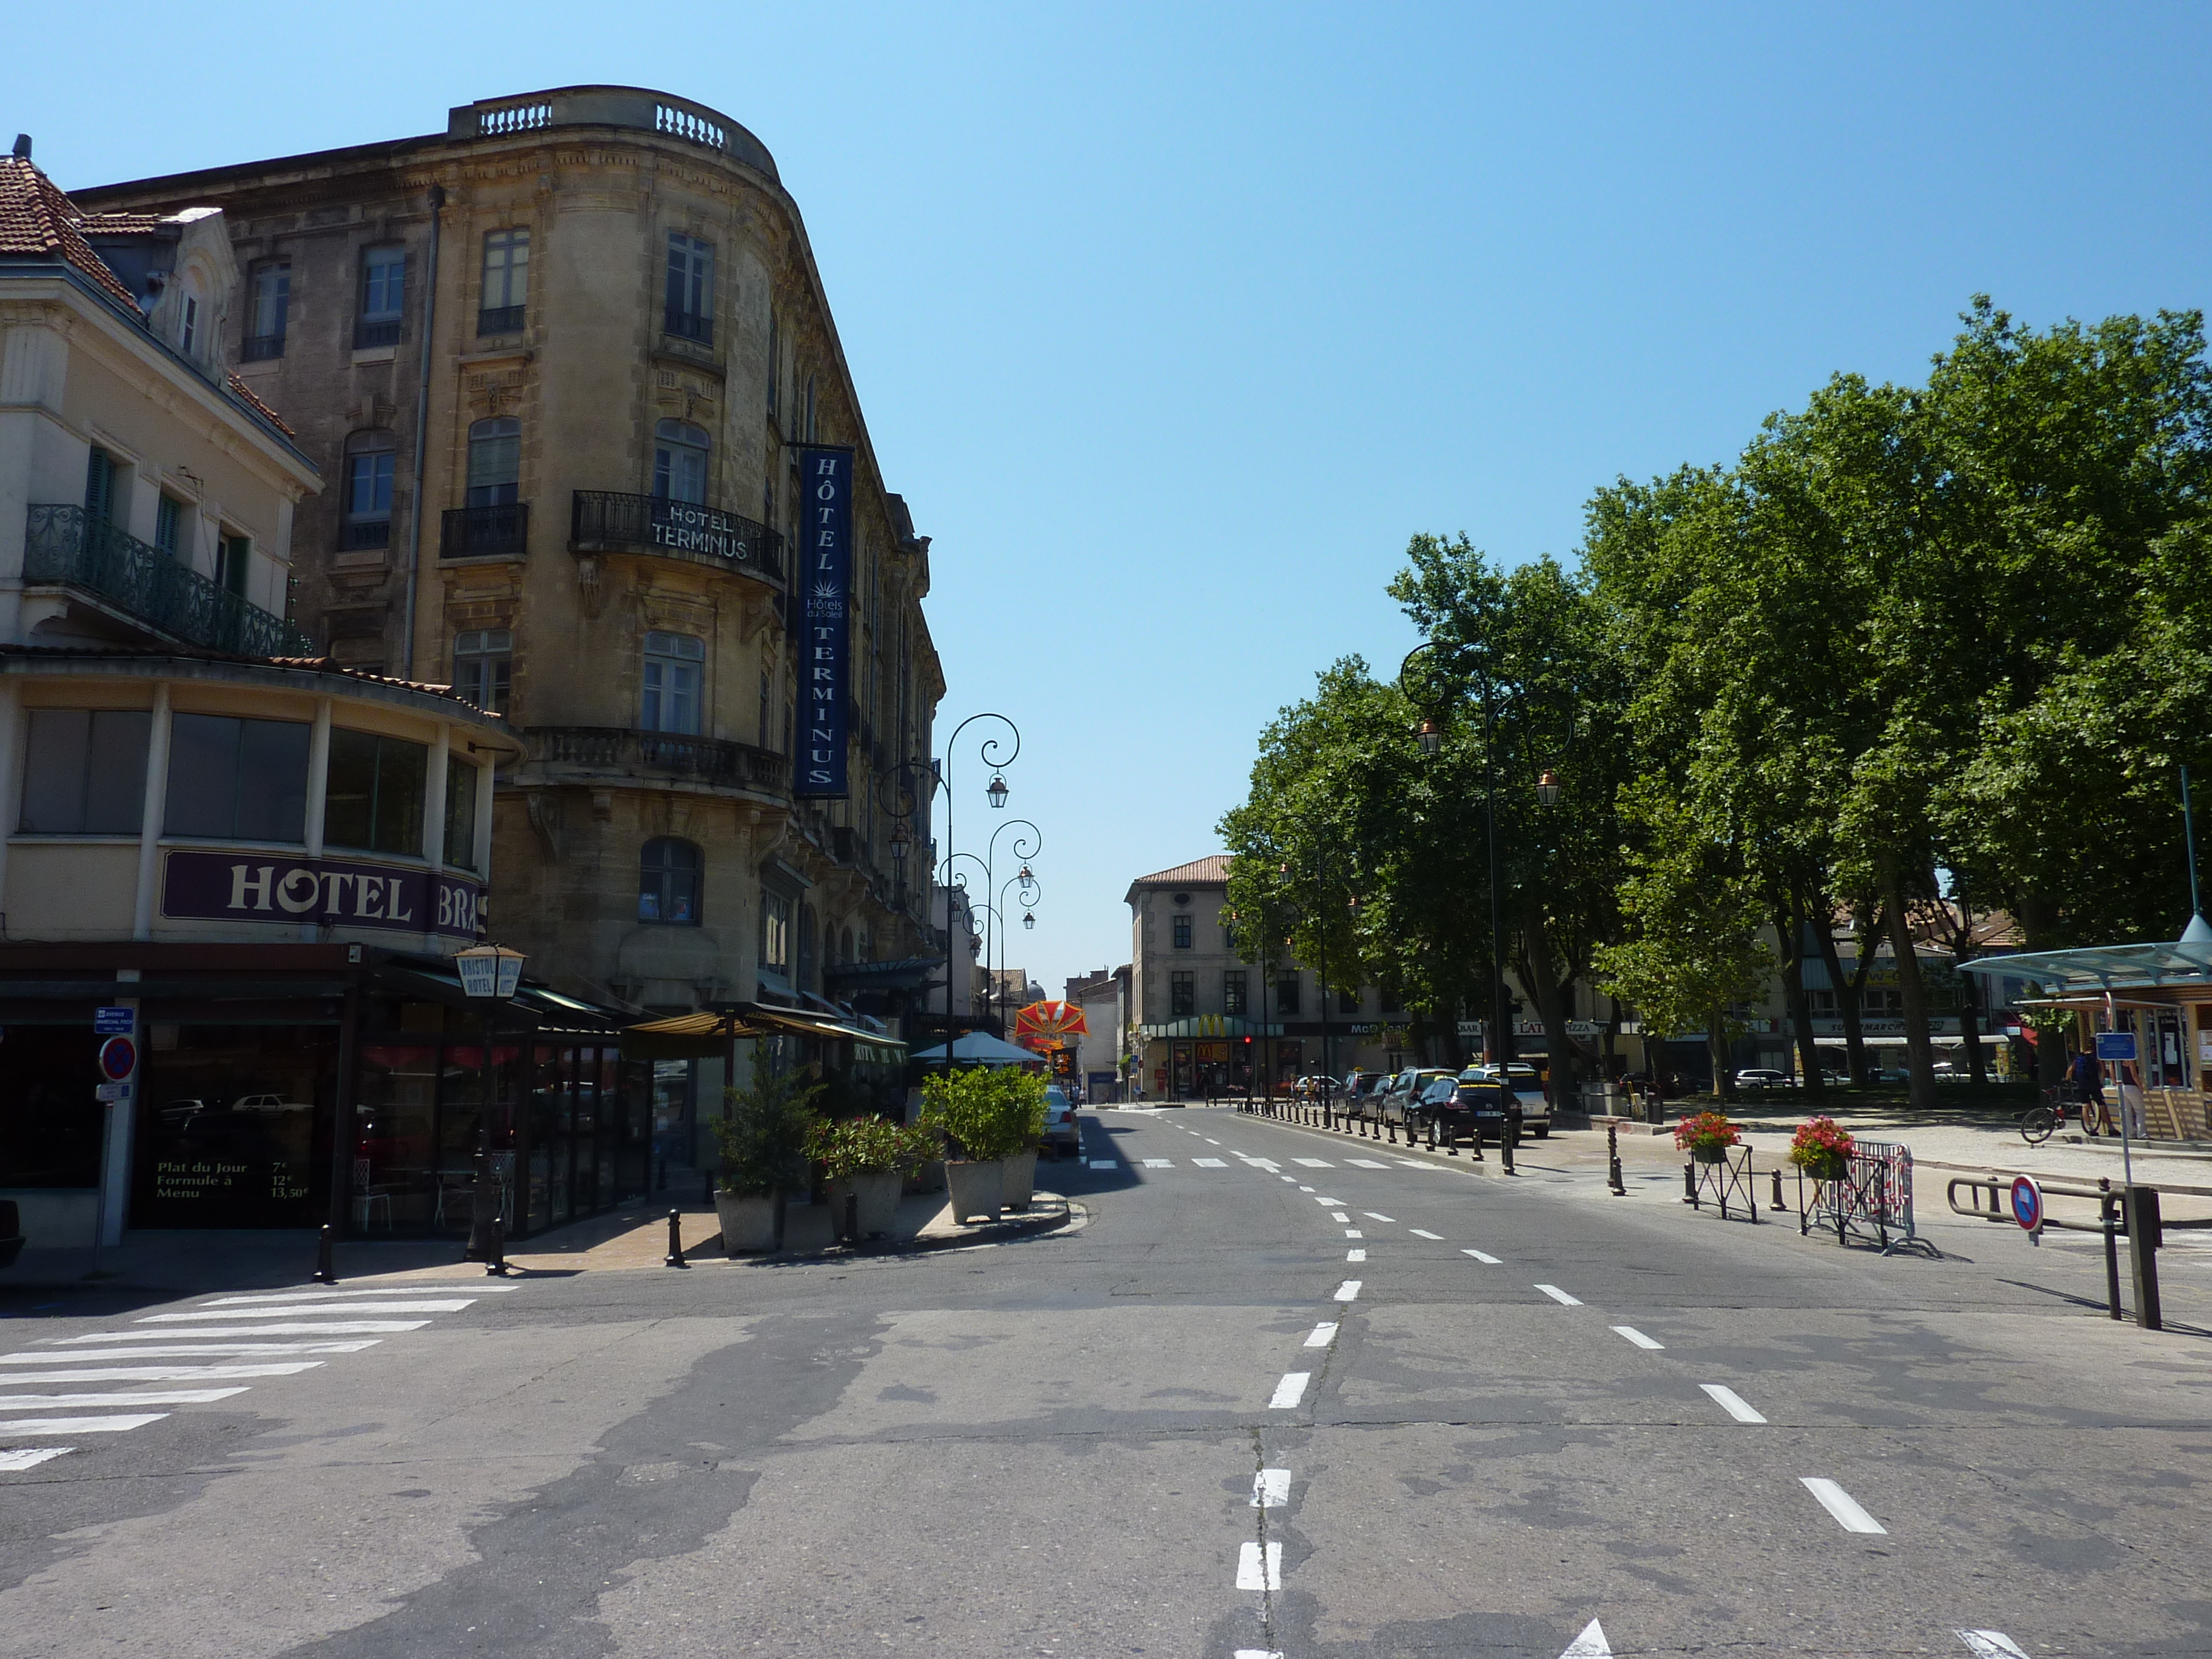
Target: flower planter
(1021, 1180)
(931, 1179)
(876, 1213)
(1824, 1169)
(978, 1187)
(752, 1222)
(1710, 1154)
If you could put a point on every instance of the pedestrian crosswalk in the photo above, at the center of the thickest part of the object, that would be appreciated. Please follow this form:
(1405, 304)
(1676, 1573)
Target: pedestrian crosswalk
(264, 1334)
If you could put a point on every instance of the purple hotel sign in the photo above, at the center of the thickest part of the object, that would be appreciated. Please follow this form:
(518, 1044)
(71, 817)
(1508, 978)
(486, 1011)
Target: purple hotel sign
(329, 892)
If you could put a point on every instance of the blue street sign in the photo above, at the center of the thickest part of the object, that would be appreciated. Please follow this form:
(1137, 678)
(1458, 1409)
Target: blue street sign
(115, 1021)
(2116, 1045)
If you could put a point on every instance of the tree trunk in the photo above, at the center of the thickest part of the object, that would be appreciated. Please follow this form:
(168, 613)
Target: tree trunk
(1869, 940)
(1912, 991)
(1789, 930)
(1847, 998)
(1536, 974)
(1969, 1023)
(1716, 1047)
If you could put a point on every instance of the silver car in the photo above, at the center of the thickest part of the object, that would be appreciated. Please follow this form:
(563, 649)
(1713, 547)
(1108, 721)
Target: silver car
(1061, 1131)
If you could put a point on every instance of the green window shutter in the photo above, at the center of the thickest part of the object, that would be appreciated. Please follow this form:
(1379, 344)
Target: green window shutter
(100, 488)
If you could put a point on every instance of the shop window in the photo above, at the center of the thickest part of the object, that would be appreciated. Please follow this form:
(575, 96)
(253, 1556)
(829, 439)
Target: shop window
(1183, 993)
(689, 312)
(679, 462)
(50, 1114)
(506, 282)
(1286, 994)
(237, 779)
(1234, 985)
(495, 462)
(483, 667)
(375, 796)
(670, 682)
(462, 778)
(668, 881)
(775, 933)
(236, 1128)
(369, 461)
(84, 772)
(1182, 932)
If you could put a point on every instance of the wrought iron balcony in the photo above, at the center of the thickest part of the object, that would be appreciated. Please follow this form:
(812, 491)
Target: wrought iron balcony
(607, 522)
(468, 532)
(618, 749)
(356, 534)
(688, 325)
(500, 319)
(63, 547)
(375, 332)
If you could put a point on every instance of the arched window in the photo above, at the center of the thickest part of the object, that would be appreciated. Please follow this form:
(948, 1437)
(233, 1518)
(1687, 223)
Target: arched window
(844, 946)
(495, 462)
(369, 460)
(679, 461)
(668, 881)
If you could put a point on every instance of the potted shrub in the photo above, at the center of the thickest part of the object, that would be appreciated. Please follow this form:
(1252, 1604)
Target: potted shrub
(1024, 1105)
(1706, 1137)
(985, 1115)
(1821, 1148)
(763, 1131)
(867, 1158)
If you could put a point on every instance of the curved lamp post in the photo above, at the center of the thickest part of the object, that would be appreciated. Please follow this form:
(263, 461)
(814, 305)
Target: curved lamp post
(991, 750)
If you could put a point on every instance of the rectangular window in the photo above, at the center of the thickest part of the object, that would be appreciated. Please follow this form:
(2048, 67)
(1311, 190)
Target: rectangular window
(461, 813)
(169, 527)
(1286, 994)
(506, 282)
(269, 309)
(100, 488)
(374, 798)
(1182, 932)
(670, 701)
(1183, 993)
(1347, 1002)
(483, 667)
(85, 772)
(383, 296)
(775, 933)
(233, 554)
(1388, 995)
(368, 498)
(688, 313)
(237, 779)
(190, 341)
(1234, 984)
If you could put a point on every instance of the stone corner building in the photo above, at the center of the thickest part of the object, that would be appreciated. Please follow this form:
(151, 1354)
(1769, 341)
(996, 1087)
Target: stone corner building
(554, 363)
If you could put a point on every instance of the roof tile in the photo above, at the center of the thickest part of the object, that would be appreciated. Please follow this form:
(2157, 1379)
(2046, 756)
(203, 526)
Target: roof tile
(36, 219)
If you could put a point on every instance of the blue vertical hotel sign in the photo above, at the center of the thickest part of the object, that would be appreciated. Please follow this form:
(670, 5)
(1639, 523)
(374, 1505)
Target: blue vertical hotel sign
(825, 572)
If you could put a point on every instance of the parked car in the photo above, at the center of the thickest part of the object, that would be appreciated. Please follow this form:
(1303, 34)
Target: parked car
(1760, 1077)
(1401, 1103)
(1061, 1131)
(1535, 1109)
(175, 1114)
(269, 1103)
(1469, 1107)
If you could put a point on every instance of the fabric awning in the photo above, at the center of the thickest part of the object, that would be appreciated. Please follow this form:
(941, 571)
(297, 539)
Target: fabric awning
(701, 1035)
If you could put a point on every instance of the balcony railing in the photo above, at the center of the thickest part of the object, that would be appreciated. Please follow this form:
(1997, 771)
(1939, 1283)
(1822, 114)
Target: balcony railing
(63, 547)
(260, 347)
(356, 534)
(500, 319)
(375, 332)
(607, 522)
(468, 532)
(619, 749)
(688, 325)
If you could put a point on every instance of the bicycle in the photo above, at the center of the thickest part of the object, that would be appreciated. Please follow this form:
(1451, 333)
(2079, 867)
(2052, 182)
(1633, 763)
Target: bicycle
(2038, 1123)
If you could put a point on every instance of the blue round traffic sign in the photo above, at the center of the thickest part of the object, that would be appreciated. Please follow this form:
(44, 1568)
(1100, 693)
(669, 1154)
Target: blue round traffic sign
(119, 1058)
(2028, 1204)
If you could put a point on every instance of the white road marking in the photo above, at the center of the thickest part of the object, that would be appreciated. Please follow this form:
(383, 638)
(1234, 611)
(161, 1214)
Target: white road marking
(1271, 1489)
(1209, 1140)
(337, 1327)
(1491, 1260)
(156, 1373)
(1414, 1164)
(1209, 1164)
(1251, 1575)
(1377, 1215)
(1637, 1337)
(1340, 1216)
(1313, 1163)
(1290, 1178)
(1258, 1653)
(491, 1287)
(1303, 1189)
(1841, 1505)
(1159, 1164)
(31, 1456)
(1365, 1163)
(1991, 1644)
(291, 1310)
(1348, 1291)
(1422, 1232)
(120, 1397)
(1105, 1163)
(1354, 1232)
(1355, 1256)
(1732, 1402)
(1323, 1334)
(79, 1356)
(1290, 1391)
(1561, 1296)
(1590, 1645)
(1333, 1203)
(15, 1425)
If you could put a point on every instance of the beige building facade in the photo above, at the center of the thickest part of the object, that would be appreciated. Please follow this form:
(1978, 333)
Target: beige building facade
(558, 364)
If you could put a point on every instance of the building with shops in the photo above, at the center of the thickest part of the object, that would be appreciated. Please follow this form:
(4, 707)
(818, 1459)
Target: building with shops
(559, 364)
(1103, 997)
(249, 861)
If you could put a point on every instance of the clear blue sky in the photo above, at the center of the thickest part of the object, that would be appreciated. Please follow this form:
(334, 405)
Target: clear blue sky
(1174, 323)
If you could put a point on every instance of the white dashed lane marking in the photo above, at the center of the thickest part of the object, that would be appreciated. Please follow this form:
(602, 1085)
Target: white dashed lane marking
(1355, 1256)
(156, 1373)
(1637, 1337)
(1377, 1215)
(1423, 1232)
(1313, 1163)
(336, 1328)
(295, 1309)
(1369, 1164)
(1841, 1505)
(78, 1357)
(15, 1425)
(1348, 1291)
(1561, 1296)
(1290, 1391)
(1322, 1333)
(29, 1457)
(1159, 1164)
(1354, 1232)
(1340, 1217)
(1734, 1404)
(1991, 1644)
(1489, 1260)
(1255, 1572)
(1210, 1163)
(1271, 1489)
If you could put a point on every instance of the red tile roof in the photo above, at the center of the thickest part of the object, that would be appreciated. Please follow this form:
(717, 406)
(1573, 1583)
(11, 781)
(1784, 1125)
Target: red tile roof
(1197, 873)
(36, 219)
(245, 394)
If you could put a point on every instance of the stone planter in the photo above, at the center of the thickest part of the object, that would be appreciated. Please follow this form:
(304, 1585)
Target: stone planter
(930, 1179)
(878, 1193)
(1710, 1154)
(978, 1189)
(752, 1222)
(1021, 1179)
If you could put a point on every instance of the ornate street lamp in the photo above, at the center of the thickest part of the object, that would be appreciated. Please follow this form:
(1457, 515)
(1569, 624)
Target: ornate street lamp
(1547, 787)
(489, 974)
(1432, 738)
(1029, 919)
(997, 790)
(992, 753)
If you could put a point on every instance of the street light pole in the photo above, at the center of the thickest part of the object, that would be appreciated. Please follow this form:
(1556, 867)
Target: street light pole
(987, 751)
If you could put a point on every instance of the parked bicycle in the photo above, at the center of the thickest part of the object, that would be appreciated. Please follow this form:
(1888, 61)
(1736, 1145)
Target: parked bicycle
(2038, 1123)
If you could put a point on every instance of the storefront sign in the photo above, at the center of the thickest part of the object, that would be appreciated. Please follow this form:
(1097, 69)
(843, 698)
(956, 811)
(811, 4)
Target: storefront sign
(330, 892)
(1872, 1026)
(825, 569)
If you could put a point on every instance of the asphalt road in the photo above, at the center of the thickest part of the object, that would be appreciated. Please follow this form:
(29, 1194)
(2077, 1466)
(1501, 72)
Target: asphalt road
(1251, 1405)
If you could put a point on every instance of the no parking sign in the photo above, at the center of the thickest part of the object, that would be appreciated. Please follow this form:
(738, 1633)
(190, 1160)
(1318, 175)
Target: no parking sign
(2027, 1207)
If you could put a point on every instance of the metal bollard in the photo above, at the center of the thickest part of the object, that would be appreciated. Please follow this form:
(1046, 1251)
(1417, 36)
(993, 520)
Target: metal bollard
(495, 1262)
(1432, 1134)
(852, 1218)
(674, 1256)
(326, 1272)
(1689, 1186)
(1506, 1147)
(1391, 1130)
(2105, 1214)
(1777, 1173)
(1451, 1139)
(2139, 1208)
(1612, 1161)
